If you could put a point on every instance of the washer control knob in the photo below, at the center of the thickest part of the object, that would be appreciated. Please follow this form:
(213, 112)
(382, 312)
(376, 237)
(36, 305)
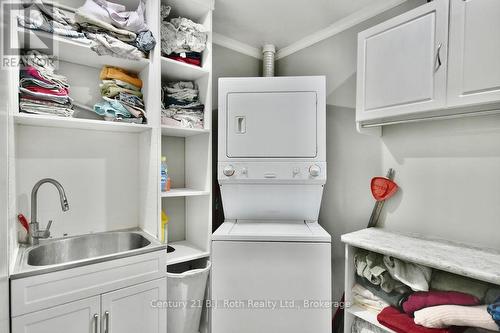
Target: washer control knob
(228, 170)
(314, 170)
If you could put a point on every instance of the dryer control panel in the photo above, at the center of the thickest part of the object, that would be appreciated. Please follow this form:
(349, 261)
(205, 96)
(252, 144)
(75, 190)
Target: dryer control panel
(272, 172)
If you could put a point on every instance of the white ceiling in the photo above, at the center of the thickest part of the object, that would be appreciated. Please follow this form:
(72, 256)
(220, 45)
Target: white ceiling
(281, 22)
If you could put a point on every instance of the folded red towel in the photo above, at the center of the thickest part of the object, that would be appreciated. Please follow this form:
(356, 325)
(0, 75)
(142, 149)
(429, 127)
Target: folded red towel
(402, 323)
(425, 299)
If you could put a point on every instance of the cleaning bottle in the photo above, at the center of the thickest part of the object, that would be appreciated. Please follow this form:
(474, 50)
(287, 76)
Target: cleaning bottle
(164, 222)
(165, 180)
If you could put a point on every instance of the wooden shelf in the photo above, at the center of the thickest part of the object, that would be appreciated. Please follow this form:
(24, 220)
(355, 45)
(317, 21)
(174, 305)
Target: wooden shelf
(176, 70)
(76, 51)
(184, 251)
(182, 132)
(77, 123)
(183, 192)
(367, 315)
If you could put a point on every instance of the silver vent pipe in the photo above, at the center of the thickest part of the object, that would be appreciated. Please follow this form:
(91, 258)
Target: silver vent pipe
(268, 52)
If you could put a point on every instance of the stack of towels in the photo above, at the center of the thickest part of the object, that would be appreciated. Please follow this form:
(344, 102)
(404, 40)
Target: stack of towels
(114, 30)
(181, 106)
(41, 90)
(109, 28)
(182, 39)
(123, 100)
(39, 16)
(414, 298)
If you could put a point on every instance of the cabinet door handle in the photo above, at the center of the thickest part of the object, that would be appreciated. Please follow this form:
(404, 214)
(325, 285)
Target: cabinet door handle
(438, 58)
(106, 322)
(96, 322)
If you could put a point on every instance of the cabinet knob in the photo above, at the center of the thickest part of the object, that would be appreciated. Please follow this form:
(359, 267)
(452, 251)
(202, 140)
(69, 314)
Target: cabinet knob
(314, 170)
(228, 170)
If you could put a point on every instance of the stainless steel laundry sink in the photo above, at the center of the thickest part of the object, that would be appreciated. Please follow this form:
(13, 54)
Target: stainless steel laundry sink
(85, 247)
(63, 253)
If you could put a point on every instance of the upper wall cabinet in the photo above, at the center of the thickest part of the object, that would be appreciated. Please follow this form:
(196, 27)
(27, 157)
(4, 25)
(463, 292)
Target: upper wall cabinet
(474, 52)
(423, 65)
(402, 64)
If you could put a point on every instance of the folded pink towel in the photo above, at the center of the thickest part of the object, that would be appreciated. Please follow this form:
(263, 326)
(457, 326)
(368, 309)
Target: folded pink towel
(420, 300)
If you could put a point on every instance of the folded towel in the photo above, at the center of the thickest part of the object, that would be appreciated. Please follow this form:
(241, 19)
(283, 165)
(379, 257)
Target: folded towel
(492, 295)
(455, 315)
(394, 298)
(417, 277)
(494, 311)
(402, 323)
(120, 74)
(366, 299)
(361, 326)
(371, 266)
(451, 282)
(420, 300)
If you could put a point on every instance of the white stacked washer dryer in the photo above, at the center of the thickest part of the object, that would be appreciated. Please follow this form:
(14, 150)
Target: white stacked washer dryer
(271, 269)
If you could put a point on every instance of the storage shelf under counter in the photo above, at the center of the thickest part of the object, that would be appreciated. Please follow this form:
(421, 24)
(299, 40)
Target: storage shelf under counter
(473, 262)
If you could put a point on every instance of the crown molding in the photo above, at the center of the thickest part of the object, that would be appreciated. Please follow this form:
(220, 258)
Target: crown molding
(236, 45)
(337, 27)
(316, 37)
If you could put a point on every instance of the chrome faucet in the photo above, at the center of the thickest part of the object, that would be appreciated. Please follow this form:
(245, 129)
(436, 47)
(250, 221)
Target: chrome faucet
(35, 233)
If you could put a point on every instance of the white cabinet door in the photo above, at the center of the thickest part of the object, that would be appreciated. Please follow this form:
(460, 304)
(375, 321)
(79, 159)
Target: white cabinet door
(474, 52)
(130, 310)
(402, 64)
(76, 317)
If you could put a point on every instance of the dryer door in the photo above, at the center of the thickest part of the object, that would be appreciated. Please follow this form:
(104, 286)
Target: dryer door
(272, 124)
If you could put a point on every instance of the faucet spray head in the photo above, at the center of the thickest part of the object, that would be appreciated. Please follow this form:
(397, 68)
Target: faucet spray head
(64, 204)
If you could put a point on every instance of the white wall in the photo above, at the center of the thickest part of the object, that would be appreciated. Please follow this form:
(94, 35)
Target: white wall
(98, 170)
(228, 63)
(449, 173)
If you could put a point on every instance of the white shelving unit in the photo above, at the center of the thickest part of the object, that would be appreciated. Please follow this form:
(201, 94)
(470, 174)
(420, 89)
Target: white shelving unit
(472, 262)
(111, 170)
(188, 151)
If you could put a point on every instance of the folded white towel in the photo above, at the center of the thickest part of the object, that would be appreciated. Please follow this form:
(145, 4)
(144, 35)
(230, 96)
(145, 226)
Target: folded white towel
(455, 315)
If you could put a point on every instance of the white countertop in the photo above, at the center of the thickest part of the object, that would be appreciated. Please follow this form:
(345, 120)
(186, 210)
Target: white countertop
(473, 262)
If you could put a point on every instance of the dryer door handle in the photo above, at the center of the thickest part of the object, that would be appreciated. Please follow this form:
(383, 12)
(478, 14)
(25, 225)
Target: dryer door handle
(241, 124)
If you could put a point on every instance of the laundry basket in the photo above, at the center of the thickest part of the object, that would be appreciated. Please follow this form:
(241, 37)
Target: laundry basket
(186, 286)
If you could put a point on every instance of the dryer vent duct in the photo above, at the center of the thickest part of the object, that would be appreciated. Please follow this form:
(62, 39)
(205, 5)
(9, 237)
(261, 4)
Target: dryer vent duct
(268, 52)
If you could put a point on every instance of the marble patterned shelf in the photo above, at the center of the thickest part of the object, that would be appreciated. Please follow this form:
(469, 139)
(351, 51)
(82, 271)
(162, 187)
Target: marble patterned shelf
(473, 262)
